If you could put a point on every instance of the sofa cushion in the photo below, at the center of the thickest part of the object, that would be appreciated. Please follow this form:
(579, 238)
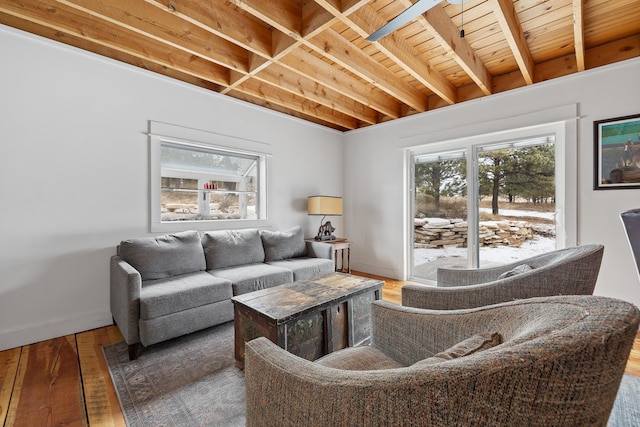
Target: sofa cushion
(171, 295)
(469, 346)
(228, 248)
(306, 268)
(364, 358)
(253, 277)
(164, 256)
(285, 244)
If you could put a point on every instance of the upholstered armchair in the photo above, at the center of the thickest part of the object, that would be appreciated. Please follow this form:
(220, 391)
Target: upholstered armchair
(631, 221)
(558, 361)
(570, 271)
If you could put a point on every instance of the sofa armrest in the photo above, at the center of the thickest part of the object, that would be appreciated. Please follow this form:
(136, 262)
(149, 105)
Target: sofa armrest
(125, 285)
(319, 250)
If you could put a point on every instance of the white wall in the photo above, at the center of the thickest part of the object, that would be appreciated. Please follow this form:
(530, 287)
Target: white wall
(74, 177)
(74, 172)
(374, 178)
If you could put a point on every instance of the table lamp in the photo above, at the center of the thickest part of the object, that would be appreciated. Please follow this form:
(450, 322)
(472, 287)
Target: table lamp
(325, 205)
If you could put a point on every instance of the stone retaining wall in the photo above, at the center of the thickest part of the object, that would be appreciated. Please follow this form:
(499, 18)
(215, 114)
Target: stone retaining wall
(442, 233)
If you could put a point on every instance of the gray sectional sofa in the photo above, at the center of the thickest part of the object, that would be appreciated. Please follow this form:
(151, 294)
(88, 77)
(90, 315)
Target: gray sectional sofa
(166, 286)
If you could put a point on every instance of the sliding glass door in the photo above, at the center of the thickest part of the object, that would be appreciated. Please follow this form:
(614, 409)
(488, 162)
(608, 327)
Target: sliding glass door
(484, 204)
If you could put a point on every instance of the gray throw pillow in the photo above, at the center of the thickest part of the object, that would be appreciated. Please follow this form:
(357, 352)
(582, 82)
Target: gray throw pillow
(228, 248)
(279, 245)
(515, 271)
(164, 256)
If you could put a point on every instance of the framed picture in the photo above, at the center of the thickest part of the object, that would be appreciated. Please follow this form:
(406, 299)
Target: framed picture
(616, 153)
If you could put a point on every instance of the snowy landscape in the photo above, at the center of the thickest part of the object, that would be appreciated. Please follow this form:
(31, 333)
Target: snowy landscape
(501, 254)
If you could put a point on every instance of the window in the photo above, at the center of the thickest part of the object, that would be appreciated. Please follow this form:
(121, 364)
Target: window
(486, 200)
(197, 184)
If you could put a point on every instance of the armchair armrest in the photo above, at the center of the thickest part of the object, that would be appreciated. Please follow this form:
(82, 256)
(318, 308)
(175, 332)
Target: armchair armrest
(285, 390)
(125, 285)
(447, 277)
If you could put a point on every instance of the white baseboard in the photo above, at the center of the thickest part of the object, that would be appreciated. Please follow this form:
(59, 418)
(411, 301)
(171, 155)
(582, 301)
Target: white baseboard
(391, 273)
(37, 332)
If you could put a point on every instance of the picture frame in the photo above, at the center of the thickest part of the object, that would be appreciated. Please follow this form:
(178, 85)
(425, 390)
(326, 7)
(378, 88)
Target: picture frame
(616, 155)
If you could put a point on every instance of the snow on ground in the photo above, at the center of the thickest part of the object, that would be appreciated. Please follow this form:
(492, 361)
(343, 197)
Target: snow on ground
(532, 214)
(501, 254)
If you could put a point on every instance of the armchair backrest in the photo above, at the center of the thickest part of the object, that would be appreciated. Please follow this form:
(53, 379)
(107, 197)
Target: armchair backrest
(571, 271)
(631, 221)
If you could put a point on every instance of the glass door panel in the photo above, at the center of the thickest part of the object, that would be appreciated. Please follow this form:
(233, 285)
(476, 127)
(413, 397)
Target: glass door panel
(439, 213)
(516, 200)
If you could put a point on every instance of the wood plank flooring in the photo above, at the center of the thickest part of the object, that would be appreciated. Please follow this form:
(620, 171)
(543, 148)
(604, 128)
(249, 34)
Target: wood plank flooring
(65, 381)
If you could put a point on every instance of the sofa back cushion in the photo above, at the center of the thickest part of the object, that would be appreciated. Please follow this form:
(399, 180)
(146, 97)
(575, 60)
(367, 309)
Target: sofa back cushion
(159, 257)
(279, 245)
(228, 248)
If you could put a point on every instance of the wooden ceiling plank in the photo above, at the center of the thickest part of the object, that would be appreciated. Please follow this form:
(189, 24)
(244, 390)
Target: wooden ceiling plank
(442, 28)
(508, 19)
(165, 28)
(294, 102)
(284, 78)
(82, 25)
(323, 73)
(340, 50)
(223, 21)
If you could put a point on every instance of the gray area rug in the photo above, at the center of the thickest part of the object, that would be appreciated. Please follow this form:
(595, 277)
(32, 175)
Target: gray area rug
(193, 381)
(626, 410)
(188, 381)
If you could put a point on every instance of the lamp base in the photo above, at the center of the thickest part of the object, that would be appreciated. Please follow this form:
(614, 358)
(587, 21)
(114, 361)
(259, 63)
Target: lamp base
(331, 237)
(324, 232)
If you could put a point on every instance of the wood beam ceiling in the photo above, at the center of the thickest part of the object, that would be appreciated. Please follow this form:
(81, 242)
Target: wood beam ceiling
(310, 58)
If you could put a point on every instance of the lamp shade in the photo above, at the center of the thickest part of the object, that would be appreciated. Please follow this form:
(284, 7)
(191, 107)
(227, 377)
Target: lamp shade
(324, 205)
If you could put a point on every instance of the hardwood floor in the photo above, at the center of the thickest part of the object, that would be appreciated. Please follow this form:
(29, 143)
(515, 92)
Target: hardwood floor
(65, 381)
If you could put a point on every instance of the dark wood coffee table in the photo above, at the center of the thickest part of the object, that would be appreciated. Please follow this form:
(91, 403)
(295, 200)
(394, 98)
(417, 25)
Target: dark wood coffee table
(308, 318)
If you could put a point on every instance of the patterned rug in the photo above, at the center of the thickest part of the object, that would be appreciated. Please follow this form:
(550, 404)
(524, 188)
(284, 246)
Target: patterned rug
(189, 381)
(193, 381)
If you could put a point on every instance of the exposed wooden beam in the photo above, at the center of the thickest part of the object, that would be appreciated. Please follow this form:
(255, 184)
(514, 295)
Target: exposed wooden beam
(90, 46)
(273, 95)
(223, 21)
(366, 20)
(335, 46)
(442, 29)
(166, 28)
(578, 32)
(322, 72)
(85, 26)
(508, 19)
(284, 78)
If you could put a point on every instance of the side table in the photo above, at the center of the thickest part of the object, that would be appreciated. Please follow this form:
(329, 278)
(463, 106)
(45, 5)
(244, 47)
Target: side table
(339, 245)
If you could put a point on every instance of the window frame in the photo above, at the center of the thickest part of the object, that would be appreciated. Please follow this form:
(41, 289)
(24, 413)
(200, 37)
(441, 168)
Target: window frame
(162, 133)
(566, 215)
